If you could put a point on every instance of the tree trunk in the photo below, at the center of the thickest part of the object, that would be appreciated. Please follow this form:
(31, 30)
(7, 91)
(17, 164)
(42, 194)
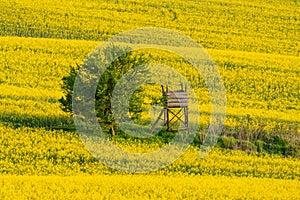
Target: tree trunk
(112, 131)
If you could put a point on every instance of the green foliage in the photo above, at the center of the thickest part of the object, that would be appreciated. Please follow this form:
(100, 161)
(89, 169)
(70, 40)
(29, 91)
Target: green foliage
(278, 145)
(107, 82)
(271, 144)
(67, 87)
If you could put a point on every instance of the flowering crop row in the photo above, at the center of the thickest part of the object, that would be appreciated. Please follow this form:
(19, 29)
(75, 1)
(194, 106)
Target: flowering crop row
(36, 151)
(256, 26)
(145, 187)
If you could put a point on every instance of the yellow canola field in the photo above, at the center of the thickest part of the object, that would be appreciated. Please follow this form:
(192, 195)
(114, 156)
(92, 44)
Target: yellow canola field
(146, 187)
(262, 89)
(255, 45)
(253, 26)
(36, 151)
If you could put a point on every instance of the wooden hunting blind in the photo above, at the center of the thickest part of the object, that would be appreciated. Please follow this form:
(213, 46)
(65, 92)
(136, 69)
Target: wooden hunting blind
(175, 109)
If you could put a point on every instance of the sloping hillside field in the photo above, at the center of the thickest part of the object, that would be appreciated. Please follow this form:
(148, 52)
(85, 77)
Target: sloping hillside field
(255, 47)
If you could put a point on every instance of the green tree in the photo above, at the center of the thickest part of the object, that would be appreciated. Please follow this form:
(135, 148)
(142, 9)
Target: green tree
(106, 84)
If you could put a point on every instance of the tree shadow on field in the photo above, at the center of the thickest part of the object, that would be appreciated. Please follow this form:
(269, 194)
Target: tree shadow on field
(33, 121)
(14, 110)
